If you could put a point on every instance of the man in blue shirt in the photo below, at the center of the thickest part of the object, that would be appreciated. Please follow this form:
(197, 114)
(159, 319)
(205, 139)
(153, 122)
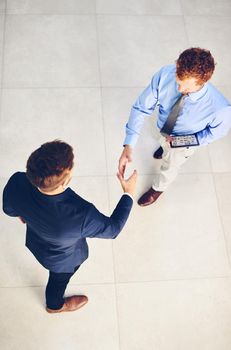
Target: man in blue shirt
(58, 221)
(204, 112)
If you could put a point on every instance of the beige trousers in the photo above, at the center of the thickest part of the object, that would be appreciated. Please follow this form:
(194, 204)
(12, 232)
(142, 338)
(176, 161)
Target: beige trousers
(172, 160)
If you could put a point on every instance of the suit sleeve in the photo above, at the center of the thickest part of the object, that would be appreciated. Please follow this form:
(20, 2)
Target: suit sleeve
(7, 202)
(100, 226)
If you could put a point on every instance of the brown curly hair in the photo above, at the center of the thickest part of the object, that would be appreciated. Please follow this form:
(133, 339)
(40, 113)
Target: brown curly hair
(48, 166)
(195, 63)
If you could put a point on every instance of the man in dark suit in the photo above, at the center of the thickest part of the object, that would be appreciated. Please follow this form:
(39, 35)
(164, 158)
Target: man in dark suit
(58, 221)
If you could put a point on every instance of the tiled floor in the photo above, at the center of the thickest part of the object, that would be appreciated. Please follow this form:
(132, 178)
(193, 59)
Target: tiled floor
(71, 70)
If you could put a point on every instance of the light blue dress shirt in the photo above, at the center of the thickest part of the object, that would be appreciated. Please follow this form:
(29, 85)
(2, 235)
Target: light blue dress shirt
(205, 112)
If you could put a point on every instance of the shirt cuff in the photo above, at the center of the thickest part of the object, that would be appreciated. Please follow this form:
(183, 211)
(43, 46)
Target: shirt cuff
(129, 195)
(131, 140)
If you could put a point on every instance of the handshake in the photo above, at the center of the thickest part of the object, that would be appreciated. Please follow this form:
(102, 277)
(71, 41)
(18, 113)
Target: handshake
(128, 185)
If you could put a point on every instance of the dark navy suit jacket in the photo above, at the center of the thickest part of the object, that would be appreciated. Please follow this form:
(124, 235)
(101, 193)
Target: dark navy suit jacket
(58, 225)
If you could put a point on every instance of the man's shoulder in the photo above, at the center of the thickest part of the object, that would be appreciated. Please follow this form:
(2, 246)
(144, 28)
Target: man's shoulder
(76, 199)
(217, 97)
(16, 185)
(168, 69)
(17, 178)
(166, 74)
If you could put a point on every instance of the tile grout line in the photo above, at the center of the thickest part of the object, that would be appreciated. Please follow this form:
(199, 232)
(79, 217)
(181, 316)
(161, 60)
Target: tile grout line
(83, 87)
(108, 186)
(92, 14)
(219, 210)
(131, 282)
(74, 87)
(104, 135)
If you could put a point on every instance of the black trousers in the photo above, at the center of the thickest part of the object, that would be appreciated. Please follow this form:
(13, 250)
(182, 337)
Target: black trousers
(55, 289)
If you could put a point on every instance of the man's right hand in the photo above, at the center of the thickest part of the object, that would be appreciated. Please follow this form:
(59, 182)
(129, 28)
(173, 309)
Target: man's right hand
(126, 157)
(128, 185)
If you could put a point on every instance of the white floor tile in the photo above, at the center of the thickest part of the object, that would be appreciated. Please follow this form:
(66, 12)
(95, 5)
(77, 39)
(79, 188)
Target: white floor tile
(50, 51)
(133, 48)
(223, 191)
(212, 33)
(179, 236)
(2, 6)
(225, 90)
(2, 19)
(219, 152)
(145, 7)
(26, 325)
(206, 7)
(175, 315)
(31, 117)
(50, 7)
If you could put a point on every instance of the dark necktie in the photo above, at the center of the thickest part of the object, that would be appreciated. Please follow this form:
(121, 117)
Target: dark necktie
(171, 120)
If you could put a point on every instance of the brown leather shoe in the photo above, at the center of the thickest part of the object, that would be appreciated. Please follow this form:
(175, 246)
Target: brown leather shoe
(149, 197)
(71, 304)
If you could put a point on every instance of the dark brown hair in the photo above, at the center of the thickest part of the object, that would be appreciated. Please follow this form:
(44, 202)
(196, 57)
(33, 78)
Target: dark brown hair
(49, 165)
(195, 63)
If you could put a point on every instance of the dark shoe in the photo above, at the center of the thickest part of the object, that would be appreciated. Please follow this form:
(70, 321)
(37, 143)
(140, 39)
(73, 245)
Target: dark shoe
(149, 197)
(158, 153)
(71, 304)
